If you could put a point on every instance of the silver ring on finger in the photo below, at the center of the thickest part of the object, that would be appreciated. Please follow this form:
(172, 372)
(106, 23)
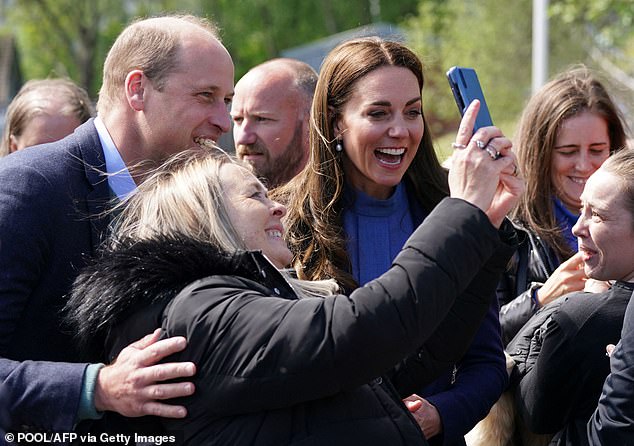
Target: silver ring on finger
(455, 145)
(493, 153)
(479, 144)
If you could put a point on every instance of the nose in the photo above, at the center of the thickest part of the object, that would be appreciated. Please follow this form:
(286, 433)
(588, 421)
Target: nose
(584, 163)
(579, 227)
(243, 133)
(278, 209)
(220, 118)
(398, 129)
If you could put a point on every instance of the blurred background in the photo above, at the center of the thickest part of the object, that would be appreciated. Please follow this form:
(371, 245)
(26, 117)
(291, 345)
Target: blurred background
(69, 38)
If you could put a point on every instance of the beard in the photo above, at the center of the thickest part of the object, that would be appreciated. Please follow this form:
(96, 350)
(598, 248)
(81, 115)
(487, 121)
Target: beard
(277, 171)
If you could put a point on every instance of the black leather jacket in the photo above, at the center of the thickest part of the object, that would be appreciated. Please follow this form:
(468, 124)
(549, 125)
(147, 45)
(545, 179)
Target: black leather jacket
(530, 267)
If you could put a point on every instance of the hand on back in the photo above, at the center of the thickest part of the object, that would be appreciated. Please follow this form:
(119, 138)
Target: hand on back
(131, 386)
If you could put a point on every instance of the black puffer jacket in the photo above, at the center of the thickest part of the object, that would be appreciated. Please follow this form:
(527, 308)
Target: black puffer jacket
(529, 268)
(277, 370)
(560, 354)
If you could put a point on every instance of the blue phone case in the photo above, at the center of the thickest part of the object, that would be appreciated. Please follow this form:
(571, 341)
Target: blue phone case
(466, 87)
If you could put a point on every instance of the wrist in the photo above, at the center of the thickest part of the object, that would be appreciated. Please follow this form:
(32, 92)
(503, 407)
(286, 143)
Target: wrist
(100, 396)
(87, 409)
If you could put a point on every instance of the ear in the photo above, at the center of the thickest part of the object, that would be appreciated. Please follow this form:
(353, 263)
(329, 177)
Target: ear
(337, 125)
(135, 89)
(13, 143)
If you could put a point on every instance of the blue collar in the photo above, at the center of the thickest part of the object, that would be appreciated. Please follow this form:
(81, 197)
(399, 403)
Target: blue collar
(566, 221)
(363, 204)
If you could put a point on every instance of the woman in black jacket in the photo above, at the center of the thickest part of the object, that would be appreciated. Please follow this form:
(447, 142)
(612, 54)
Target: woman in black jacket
(560, 352)
(198, 251)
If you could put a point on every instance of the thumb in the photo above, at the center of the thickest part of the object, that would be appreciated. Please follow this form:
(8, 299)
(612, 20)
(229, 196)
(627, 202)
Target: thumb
(413, 406)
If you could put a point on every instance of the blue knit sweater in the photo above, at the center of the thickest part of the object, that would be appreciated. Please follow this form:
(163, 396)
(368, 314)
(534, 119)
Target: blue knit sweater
(383, 226)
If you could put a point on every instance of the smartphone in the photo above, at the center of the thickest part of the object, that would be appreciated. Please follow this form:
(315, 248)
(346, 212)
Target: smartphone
(466, 87)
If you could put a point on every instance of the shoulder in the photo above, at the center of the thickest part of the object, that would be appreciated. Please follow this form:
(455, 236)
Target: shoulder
(245, 278)
(582, 305)
(224, 285)
(592, 312)
(520, 344)
(53, 162)
(207, 305)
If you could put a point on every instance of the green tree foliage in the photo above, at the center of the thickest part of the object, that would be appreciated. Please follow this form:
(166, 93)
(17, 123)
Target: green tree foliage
(257, 30)
(491, 36)
(496, 37)
(64, 37)
(611, 20)
(71, 37)
(606, 31)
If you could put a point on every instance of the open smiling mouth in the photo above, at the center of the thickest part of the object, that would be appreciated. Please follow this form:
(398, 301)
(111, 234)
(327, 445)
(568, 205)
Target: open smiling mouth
(390, 157)
(274, 233)
(205, 143)
(578, 180)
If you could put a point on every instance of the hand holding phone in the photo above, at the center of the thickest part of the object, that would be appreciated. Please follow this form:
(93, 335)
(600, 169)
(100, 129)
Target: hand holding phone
(466, 87)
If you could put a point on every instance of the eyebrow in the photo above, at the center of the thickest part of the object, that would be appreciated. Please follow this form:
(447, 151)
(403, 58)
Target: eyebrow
(594, 144)
(565, 146)
(263, 113)
(213, 89)
(598, 206)
(256, 184)
(388, 103)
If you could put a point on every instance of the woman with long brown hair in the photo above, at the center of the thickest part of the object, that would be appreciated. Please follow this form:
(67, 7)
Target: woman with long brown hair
(567, 130)
(372, 177)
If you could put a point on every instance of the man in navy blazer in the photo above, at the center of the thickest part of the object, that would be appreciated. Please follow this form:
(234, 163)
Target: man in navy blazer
(167, 83)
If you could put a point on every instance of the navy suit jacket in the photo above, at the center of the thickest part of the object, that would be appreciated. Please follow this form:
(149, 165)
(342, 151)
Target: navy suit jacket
(613, 422)
(52, 199)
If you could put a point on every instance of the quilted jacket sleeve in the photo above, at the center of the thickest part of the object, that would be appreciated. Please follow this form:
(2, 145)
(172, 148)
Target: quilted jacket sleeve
(261, 352)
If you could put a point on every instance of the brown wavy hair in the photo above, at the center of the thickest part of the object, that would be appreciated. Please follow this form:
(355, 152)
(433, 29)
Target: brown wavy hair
(570, 93)
(314, 225)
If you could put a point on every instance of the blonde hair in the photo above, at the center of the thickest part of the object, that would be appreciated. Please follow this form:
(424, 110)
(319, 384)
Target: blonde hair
(185, 197)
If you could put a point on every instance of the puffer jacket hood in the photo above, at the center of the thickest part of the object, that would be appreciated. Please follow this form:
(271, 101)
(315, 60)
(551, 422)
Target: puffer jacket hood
(137, 274)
